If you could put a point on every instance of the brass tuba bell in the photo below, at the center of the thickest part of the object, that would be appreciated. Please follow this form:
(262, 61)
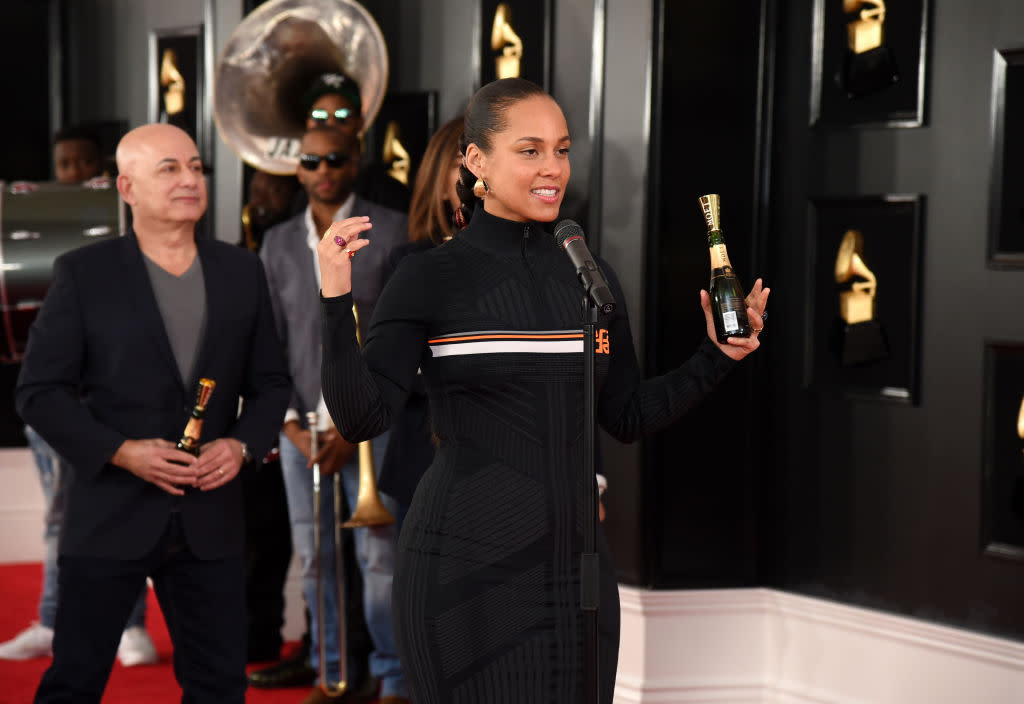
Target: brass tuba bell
(270, 60)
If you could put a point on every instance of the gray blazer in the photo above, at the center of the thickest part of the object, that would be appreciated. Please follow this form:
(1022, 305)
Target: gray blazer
(296, 297)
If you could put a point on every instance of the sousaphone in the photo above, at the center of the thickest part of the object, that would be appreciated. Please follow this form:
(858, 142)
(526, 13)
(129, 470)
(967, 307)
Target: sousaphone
(273, 57)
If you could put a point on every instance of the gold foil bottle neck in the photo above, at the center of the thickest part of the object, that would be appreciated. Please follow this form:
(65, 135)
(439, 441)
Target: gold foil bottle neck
(709, 206)
(205, 389)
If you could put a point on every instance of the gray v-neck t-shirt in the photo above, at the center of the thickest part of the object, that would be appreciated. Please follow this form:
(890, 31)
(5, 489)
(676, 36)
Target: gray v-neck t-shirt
(182, 303)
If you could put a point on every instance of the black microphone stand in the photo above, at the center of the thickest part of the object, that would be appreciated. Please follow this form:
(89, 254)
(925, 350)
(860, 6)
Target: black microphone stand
(590, 578)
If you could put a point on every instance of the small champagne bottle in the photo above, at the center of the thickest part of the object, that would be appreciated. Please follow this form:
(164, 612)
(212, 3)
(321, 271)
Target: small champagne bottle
(728, 305)
(190, 438)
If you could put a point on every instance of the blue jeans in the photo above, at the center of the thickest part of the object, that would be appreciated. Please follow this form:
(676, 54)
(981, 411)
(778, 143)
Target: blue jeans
(375, 552)
(53, 476)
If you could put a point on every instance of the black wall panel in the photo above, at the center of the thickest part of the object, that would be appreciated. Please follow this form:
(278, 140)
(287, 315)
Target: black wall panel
(703, 474)
(881, 504)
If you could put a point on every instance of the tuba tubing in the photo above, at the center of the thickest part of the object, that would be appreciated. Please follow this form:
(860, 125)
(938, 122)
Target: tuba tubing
(332, 689)
(369, 510)
(269, 60)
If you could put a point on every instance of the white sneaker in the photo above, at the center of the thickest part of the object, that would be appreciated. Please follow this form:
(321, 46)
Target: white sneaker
(136, 648)
(36, 641)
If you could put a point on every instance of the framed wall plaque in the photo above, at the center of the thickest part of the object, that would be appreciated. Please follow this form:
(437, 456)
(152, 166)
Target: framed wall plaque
(862, 303)
(399, 135)
(176, 80)
(1006, 208)
(868, 63)
(1002, 515)
(515, 40)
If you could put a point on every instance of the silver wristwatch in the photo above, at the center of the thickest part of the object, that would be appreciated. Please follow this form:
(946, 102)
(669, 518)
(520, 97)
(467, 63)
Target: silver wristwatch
(246, 455)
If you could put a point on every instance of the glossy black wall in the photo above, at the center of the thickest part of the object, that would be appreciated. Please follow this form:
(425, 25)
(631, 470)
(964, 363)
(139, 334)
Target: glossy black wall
(25, 124)
(880, 503)
(703, 476)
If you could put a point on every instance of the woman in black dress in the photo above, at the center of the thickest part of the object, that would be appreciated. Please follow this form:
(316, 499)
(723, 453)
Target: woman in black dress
(486, 588)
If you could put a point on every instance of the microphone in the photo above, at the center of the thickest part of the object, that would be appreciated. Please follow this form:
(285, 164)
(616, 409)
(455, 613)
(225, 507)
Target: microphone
(569, 236)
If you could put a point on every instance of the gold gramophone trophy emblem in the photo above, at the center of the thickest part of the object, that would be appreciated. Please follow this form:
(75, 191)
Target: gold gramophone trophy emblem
(862, 339)
(395, 155)
(504, 38)
(172, 82)
(1020, 421)
(869, 65)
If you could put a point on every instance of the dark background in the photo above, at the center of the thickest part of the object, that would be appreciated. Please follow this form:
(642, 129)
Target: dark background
(27, 148)
(905, 23)
(1006, 238)
(188, 48)
(531, 21)
(891, 230)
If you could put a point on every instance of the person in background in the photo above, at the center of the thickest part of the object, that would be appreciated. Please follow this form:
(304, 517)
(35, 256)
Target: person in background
(268, 542)
(333, 100)
(77, 155)
(76, 158)
(128, 328)
(329, 165)
(487, 585)
(270, 199)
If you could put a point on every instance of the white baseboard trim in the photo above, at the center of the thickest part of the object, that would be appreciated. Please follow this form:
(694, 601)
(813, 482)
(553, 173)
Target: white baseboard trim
(21, 508)
(761, 646)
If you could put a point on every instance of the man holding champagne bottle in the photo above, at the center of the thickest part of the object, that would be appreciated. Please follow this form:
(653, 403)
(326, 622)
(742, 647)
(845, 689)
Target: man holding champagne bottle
(128, 328)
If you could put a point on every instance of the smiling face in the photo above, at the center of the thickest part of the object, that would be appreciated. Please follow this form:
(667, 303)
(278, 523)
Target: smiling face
(527, 166)
(161, 176)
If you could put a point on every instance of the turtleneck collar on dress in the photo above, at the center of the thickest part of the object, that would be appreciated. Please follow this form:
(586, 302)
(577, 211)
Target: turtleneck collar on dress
(501, 236)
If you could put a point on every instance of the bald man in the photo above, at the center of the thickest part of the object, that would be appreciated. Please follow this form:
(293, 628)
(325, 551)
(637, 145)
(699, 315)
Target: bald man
(109, 378)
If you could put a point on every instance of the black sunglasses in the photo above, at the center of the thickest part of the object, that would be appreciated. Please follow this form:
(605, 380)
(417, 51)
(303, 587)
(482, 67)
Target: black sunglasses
(341, 115)
(335, 160)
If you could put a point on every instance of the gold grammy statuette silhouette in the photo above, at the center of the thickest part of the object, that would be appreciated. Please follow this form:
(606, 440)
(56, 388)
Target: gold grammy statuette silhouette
(869, 65)
(172, 82)
(861, 339)
(395, 155)
(504, 38)
(1020, 421)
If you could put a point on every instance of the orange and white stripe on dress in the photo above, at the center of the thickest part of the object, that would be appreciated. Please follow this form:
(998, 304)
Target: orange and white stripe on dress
(508, 341)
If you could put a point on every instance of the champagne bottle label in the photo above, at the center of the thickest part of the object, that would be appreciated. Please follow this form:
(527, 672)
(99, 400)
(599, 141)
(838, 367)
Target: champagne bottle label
(731, 307)
(190, 438)
(719, 257)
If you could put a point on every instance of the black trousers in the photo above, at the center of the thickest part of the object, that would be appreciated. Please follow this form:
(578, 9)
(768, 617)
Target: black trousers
(268, 553)
(203, 603)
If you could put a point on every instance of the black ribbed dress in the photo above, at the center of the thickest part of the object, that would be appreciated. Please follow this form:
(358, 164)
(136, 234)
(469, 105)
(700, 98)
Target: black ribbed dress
(486, 587)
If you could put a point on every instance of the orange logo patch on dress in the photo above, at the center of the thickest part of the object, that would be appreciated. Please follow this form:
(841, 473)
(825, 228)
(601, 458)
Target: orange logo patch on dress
(601, 342)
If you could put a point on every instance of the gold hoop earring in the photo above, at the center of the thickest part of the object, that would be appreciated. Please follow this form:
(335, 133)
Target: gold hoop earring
(480, 188)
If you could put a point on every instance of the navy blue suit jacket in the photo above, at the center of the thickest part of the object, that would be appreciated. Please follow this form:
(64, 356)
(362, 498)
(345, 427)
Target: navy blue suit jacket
(99, 369)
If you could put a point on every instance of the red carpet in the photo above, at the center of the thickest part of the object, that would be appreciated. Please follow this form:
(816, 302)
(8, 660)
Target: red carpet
(19, 595)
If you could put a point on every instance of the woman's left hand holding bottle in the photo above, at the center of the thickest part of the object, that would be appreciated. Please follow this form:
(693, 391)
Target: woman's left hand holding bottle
(338, 246)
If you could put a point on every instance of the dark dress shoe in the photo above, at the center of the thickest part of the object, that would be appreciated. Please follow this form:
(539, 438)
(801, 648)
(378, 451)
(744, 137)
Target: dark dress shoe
(293, 672)
(362, 694)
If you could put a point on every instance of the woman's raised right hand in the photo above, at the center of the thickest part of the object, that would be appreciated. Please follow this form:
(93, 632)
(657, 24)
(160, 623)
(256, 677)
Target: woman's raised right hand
(336, 250)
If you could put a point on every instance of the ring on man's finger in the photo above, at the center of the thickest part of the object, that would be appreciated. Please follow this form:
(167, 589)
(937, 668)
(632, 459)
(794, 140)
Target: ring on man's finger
(339, 240)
